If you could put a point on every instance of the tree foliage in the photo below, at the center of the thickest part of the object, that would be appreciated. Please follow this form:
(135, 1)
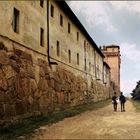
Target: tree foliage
(136, 92)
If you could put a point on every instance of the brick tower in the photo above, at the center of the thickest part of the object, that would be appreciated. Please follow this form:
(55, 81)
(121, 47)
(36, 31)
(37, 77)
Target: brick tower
(112, 58)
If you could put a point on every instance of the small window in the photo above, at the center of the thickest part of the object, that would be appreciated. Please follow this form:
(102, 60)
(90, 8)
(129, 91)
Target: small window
(77, 58)
(77, 36)
(85, 64)
(61, 20)
(89, 66)
(41, 3)
(58, 49)
(52, 11)
(69, 53)
(85, 45)
(42, 37)
(68, 27)
(16, 20)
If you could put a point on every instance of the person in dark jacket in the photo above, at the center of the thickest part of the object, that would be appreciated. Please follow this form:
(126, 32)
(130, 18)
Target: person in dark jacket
(114, 101)
(122, 101)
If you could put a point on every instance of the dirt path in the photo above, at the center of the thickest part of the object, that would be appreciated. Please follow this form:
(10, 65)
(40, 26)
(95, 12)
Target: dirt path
(100, 124)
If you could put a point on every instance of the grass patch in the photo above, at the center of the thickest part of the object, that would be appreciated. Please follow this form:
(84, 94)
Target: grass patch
(27, 126)
(136, 104)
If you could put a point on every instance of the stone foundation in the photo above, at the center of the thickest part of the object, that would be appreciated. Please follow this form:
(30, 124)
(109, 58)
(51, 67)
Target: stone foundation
(29, 86)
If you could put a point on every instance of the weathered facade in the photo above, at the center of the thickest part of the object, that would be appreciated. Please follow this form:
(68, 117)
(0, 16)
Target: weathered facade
(112, 58)
(48, 61)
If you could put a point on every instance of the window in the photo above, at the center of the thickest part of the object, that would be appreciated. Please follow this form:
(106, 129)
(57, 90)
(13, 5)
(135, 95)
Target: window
(41, 3)
(16, 20)
(77, 58)
(58, 49)
(68, 27)
(89, 66)
(69, 53)
(85, 45)
(85, 64)
(77, 36)
(52, 11)
(42, 37)
(61, 20)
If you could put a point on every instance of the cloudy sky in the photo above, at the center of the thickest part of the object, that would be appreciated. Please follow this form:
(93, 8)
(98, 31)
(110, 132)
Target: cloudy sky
(115, 22)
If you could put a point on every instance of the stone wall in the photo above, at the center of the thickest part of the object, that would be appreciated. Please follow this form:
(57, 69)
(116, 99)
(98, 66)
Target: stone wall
(29, 87)
(28, 84)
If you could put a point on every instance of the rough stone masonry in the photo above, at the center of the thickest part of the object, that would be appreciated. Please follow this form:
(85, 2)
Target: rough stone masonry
(28, 89)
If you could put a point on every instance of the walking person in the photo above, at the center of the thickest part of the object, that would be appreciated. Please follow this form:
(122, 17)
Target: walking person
(114, 101)
(122, 101)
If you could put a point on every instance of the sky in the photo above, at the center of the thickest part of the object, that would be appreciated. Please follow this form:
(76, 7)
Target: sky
(118, 23)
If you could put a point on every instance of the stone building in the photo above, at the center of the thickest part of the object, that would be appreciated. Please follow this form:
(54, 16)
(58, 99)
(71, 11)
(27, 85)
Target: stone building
(48, 61)
(112, 58)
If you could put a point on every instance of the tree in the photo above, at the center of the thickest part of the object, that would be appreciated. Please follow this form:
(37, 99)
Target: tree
(136, 92)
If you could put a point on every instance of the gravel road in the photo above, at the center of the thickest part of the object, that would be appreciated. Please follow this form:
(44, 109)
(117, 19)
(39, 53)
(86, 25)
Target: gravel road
(103, 123)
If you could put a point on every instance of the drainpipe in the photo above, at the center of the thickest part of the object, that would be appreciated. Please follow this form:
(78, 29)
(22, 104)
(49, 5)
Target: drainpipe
(85, 61)
(103, 70)
(95, 64)
(48, 36)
